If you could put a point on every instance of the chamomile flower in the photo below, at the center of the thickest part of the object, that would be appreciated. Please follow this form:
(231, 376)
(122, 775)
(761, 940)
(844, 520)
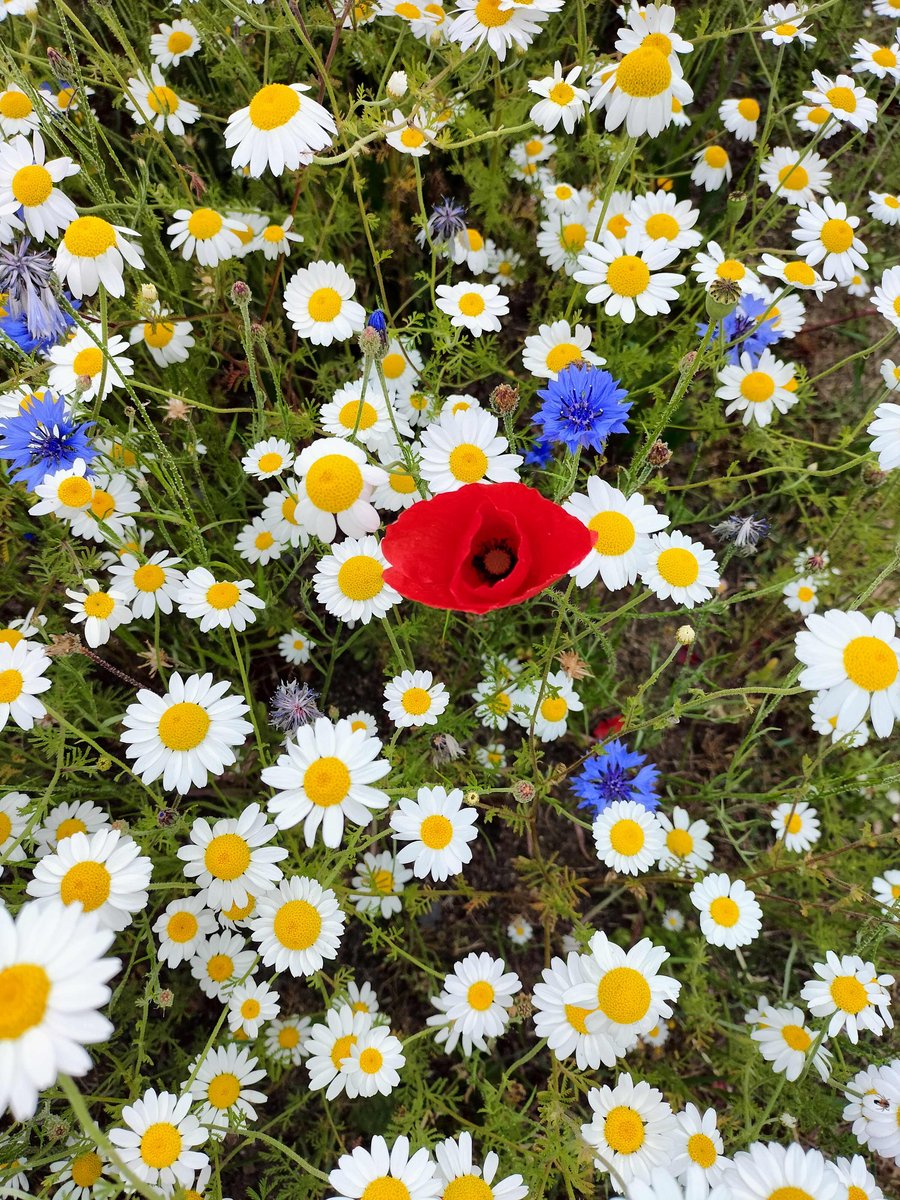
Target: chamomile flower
(858, 285)
(13, 824)
(679, 569)
(858, 1180)
(712, 168)
(73, 816)
(54, 979)
(65, 492)
(434, 830)
(740, 117)
(622, 526)
(365, 416)
(766, 1168)
(476, 307)
(230, 859)
(203, 234)
(796, 274)
(628, 838)
(22, 680)
(221, 1088)
(560, 197)
(219, 961)
(494, 702)
(824, 711)
(298, 926)
(93, 252)
(661, 216)
(378, 884)
(187, 734)
(278, 238)
(886, 434)
(171, 43)
(400, 490)
(385, 1172)
(801, 595)
(286, 1040)
(76, 1176)
(412, 698)
(686, 849)
(99, 611)
(105, 873)
(318, 302)
(218, 604)
(673, 920)
(785, 1041)
(562, 237)
(757, 388)
(698, 1153)
(884, 207)
(478, 21)
(17, 112)
(547, 708)
(349, 583)
(152, 102)
(796, 177)
(86, 366)
(632, 1129)
(466, 447)
(167, 342)
(564, 1024)
(468, 248)
(374, 1063)
(813, 118)
(887, 296)
(158, 1139)
(627, 277)
(250, 1005)
(797, 825)
(29, 180)
(334, 489)
(882, 61)
(560, 99)
(556, 346)
(295, 647)
(784, 23)
(181, 928)
(857, 660)
(851, 993)
(148, 587)
(827, 235)
(258, 543)
(503, 263)
(328, 1047)
(472, 1005)
(248, 226)
(844, 99)
(729, 913)
(640, 89)
(402, 367)
(711, 264)
(461, 1176)
(281, 128)
(411, 135)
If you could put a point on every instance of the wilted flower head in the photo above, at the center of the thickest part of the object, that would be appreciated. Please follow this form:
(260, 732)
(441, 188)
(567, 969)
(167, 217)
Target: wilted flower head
(293, 705)
(445, 748)
(34, 320)
(744, 532)
(447, 220)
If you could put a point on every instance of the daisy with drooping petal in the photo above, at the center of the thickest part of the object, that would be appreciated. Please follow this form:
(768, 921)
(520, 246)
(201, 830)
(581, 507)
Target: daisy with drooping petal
(844, 99)
(476, 307)
(881, 61)
(65, 492)
(740, 117)
(335, 486)
(76, 1175)
(412, 698)
(796, 274)
(462, 1177)
(13, 823)
(472, 1005)
(757, 389)
(711, 264)
(281, 128)
(626, 276)
(640, 89)
(712, 168)
(151, 102)
(219, 961)
(801, 596)
(729, 913)
(298, 926)
(231, 858)
(158, 1139)
(622, 526)
(466, 447)
(54, 982)
(827, 235)
(29, 180)
(628, 838)
(181, 927)
(22, 680)
(555, 347)
(203, 234)
(679, 569)
(295, 647)
(378, 884)
(850, 992)
(277, 239)
(325, 776)
(698, 1154)
(150, 586)
(766, 1169)
(382, 1172)
(797, 825)
(318, 301)
(75, 816)
(171, 43)
(218, 604)
(374, 1063)
(478, 21)
(784, 1040)
(250, 1005)
(884, 207)
(93, 252)
(547, 708)
(813, 118)
(221, 1088)
(632, 1129)
(660, 216)
(105, 873)
(686, 849)
(187, 734)
(856, 659)
(560, 99)
(286, 1040)
(110, 515)
(824, 712)
(99, 611)
(885, 429)
(86, 366)
(784, 23)
(328, 1047)
(434, 830)
(468, 248)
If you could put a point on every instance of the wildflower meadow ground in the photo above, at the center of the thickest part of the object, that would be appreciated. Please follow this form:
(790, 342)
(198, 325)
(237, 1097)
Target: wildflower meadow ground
(449, 600)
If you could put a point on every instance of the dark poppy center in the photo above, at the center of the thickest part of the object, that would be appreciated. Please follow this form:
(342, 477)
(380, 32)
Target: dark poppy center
(494, 561)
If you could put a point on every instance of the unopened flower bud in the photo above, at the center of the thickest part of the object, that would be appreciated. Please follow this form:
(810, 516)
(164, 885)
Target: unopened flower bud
(397, 85)
(684, 635)
(369, 341)
(659, 454)
(736, 206)
(56, 1129)
(722, 296)
(149, 294)
(104, 763)
(471, 798)
(166, 817)
(240, 293)
(523, 791)
(871, 476)
(504, 399)
(165, 998)
(687, 362)
(82, 383)
(58, 64)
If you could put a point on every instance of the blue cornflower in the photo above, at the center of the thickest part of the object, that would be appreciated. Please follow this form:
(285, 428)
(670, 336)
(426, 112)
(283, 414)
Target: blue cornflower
(540, 453)
(34, 319)
(377, 322)
(292, 706)
(616, 774)
(743, 328)
(447, 220)
(42, 438)
(582, 407)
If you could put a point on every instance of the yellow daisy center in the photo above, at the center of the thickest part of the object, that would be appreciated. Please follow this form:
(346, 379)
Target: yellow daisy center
(662, 225)
(74, 492)
(573, 237)
(412, 138)
(848, 994)
(182, 927)
(250, 1008)
(715, 157)
(748, 109)
(471, 304)
(731, 269)
(88, 882)
(162, 100)
(884, 57)
(357, 414)
(870, 663)
(264, 540)
(724, 912)
(149, 578)
(179, 41)
(383, 882)
(659, 41)
(842, 98)
(796, 1037)
(371, 1061)
(468, 463)
(289, 1037)
(757, 387)
(361, 577)
(68, 827)
(222, 596)
(24, 992)
(576, 1017)
(393, 365)
(701, 1150)
(227, 856)
(86, 1169)
(223, 1090)
(554, 708)
(561, 93)
(99, 604)
(204, 223)
(627, 838)
(297, 925)
(618, 225)
(385, 1188)
(183, 726)
(32, 185)
(678, 567)
(11, 684)
(679, 842)
(805, 594)
(341, 1050)
(158, 334)
(273, 106)
(891, 202)
(801, 273)
(326, 782)
(628, 275)
(324, 304)
(623, 995)
(160, 1145)
(334, 483)
(785, 30)
(220, 967)
(790, 1193)
(88, 361)
(10, 637)
(480, 995)
(416, 701)
(624, 1130)
(562, 356)
(402, 483)
(614, 531)
(15, 105)
(436, 832)
(644, 72)
(467, 1187)
(836, 236)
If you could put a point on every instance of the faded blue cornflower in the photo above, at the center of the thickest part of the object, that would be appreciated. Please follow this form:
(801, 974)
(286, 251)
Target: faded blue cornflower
(41, 438)
(447, 220)
(616, 773)
(34, 319)
(292, 706)
(744, 331)
(745, 532)
(582, 407)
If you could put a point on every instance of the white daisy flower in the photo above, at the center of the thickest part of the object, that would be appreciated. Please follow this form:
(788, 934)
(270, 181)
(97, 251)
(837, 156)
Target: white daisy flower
(660, 216)
(632, 1129)
(295, 647)
(729, 913)
(298, 926)
(766, 1168)
(503, 263)
(110, 515)
(784, 23)
(167, 342)
(335, 486)
(380, 1171)
(99, 611)
(801, 595)
(698, 1154)
(858, 285)
(93, 252)
(476, 307)
(365, 417)
(788, 316)
(171, 43)
(218, 604)
(318, 302)
(54, 981)
(711, 264)
(827, 235)
(203, 234)
(76, 1176)
(221, 960)
(560, 99)
(468, 248)
(148, 587)
(560, 197)
(824, 711)
(378, 884)
(686, 849)
(158, 1139)
(473, 1003)
(851, 993)
(151, 102)
(349, 583)
(13, 823)
(105, 873)
(871, 59)
(230, 859)
(401, 490)
(622, 526)
(626, 276)
(679, 569)
(17, 112)
(887, 8)
(562, 1023)
(462, 1177)
(494, 702)
(181, 927)
(520, 931)
(562, 238)
(22, 680)
(887, 296)
(478, 21)
(756, 388)
(858, 1180)
(250, 1005)
(28, 180)
(412, 698)
(373, 1066)
(281, 128)
(617, 218)
(886, 888)
(813, 118)
(628, 838)
(268, 458)
(884, 207)
(278, 238)
(797, 274)
(548, 709)
(640, 89)
(87, 367)
(886, 433)
(328, 1048)
(411, 135)
(712, 168)
(286, 1040)
(257, 542)
(784, 1040)
(673, 920)
(402, 366)
(796, 177)
(65, 492)
(740, 117)
(435, 830)
(187, 734)
(797, 825)
(221, 1088)
(555, 347)
(248, 226)
(844, 99)
(280, 508)
(74, 816)
(466, 447)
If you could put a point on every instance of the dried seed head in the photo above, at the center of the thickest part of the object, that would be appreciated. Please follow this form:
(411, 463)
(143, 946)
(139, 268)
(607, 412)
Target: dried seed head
(504, 399)
(659, 454)
(523, 791)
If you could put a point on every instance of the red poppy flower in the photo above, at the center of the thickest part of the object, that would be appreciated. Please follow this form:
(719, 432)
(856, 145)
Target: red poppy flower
(485, 546)
(609, 726)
